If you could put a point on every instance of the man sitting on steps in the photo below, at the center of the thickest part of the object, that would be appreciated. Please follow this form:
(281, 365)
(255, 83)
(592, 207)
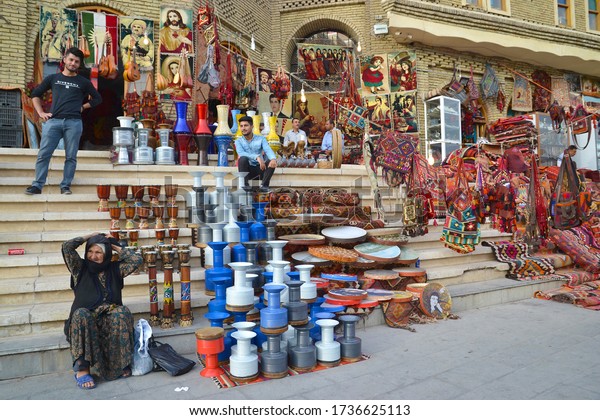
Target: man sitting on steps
(256, 157)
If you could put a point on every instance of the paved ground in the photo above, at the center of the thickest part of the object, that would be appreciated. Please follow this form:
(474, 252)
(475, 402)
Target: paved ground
(527, 350)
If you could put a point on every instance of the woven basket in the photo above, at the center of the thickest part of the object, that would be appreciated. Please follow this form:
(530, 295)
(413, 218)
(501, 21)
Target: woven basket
(324, 164)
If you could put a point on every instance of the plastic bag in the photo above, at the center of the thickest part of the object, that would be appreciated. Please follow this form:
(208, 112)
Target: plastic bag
(142, 362)
(203, 74)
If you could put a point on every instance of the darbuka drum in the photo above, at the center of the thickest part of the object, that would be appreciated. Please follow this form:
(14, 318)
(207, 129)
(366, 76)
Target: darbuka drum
(409, 275)
(435, 301)
(416, 289)
(398, 309)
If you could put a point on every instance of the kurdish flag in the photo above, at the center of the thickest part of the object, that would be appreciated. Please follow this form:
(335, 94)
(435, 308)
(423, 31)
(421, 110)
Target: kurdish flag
(101, 31)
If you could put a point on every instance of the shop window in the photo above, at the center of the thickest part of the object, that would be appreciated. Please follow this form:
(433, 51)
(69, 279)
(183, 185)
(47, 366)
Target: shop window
(564, 12)
(593, 15)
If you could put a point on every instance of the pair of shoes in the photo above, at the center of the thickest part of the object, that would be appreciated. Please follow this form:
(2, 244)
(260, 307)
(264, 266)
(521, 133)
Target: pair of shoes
(263, 189)
(65, 190)
(85, 379)
(33, 190)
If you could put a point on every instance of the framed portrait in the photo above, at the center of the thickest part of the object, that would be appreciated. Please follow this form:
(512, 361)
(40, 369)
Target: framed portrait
(58, 31)
(176, 30)
(312, 115)
(374, 74)
(402, 71)
(323, 62)
(169, 67)
(404, 112)
(136, 40)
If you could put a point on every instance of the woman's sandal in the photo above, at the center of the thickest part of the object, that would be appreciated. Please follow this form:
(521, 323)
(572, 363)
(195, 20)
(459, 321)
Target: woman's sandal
(85, 379)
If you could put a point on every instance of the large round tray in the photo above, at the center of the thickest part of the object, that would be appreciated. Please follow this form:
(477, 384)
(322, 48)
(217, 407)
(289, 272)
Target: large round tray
(305, 258)
(401, 296)
(377, 252)
(333, 253)
(407, 256)
(303, 239)
(344, 234)
(364, 263)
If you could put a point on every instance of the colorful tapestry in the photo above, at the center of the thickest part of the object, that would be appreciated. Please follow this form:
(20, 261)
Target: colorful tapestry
(522, 266)
(579, 243)
(58, 32)
(586, 295)
(324, 62)
(522, 99)
(137, 41)
(176, 30)
(560, 90)
(101, 32)
(225, 380)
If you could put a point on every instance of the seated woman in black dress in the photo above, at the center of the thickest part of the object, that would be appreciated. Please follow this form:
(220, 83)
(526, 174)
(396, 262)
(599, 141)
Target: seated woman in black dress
(99, 328)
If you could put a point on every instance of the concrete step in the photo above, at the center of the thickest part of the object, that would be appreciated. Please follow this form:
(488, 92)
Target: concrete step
(21, 320)
(50, 241)
(464, 273)
(496, 291)
(44, 264)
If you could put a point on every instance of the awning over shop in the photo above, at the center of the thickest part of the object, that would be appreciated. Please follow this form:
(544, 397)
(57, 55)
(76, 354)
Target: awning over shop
(498, 36)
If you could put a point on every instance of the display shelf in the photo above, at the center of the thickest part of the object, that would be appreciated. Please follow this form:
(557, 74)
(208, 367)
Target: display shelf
(443, 131)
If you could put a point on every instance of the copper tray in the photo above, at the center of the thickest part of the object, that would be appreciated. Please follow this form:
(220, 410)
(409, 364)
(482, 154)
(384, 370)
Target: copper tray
(304, 239)
(333, 253)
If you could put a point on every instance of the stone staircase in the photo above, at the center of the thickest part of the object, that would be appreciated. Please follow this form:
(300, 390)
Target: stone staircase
(34, 288)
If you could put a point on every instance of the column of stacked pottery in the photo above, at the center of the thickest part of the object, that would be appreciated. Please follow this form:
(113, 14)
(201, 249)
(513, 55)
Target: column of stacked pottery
(244, 326)
(308, 290)
(303, 356)
(243, 365)
(209, 343)
(218, 269)
(238, 251)
(240, 298)
(216, 320)
(273, 322)
(254, 267)
(278, 278)
(328, 350)
(350, 344)
(276, 247)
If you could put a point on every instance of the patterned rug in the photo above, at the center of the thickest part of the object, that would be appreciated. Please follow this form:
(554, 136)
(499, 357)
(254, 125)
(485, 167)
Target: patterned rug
(522, 266)
(226, 381)
(586, 295)
(580, 244)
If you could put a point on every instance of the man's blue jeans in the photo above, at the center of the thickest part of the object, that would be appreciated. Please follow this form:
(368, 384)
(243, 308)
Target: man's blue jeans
(52, 131)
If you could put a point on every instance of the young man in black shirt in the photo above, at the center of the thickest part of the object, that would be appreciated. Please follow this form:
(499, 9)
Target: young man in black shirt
(71, 94)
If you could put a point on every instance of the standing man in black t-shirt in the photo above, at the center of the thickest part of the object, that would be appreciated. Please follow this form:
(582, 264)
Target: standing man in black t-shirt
(70, 96)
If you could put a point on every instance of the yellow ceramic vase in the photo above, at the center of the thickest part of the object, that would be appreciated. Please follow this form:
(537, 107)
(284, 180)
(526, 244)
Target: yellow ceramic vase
(272, 137)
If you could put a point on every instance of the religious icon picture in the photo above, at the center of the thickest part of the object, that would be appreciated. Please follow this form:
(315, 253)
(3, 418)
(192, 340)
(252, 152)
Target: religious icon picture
(175, 30)
(177, 89)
